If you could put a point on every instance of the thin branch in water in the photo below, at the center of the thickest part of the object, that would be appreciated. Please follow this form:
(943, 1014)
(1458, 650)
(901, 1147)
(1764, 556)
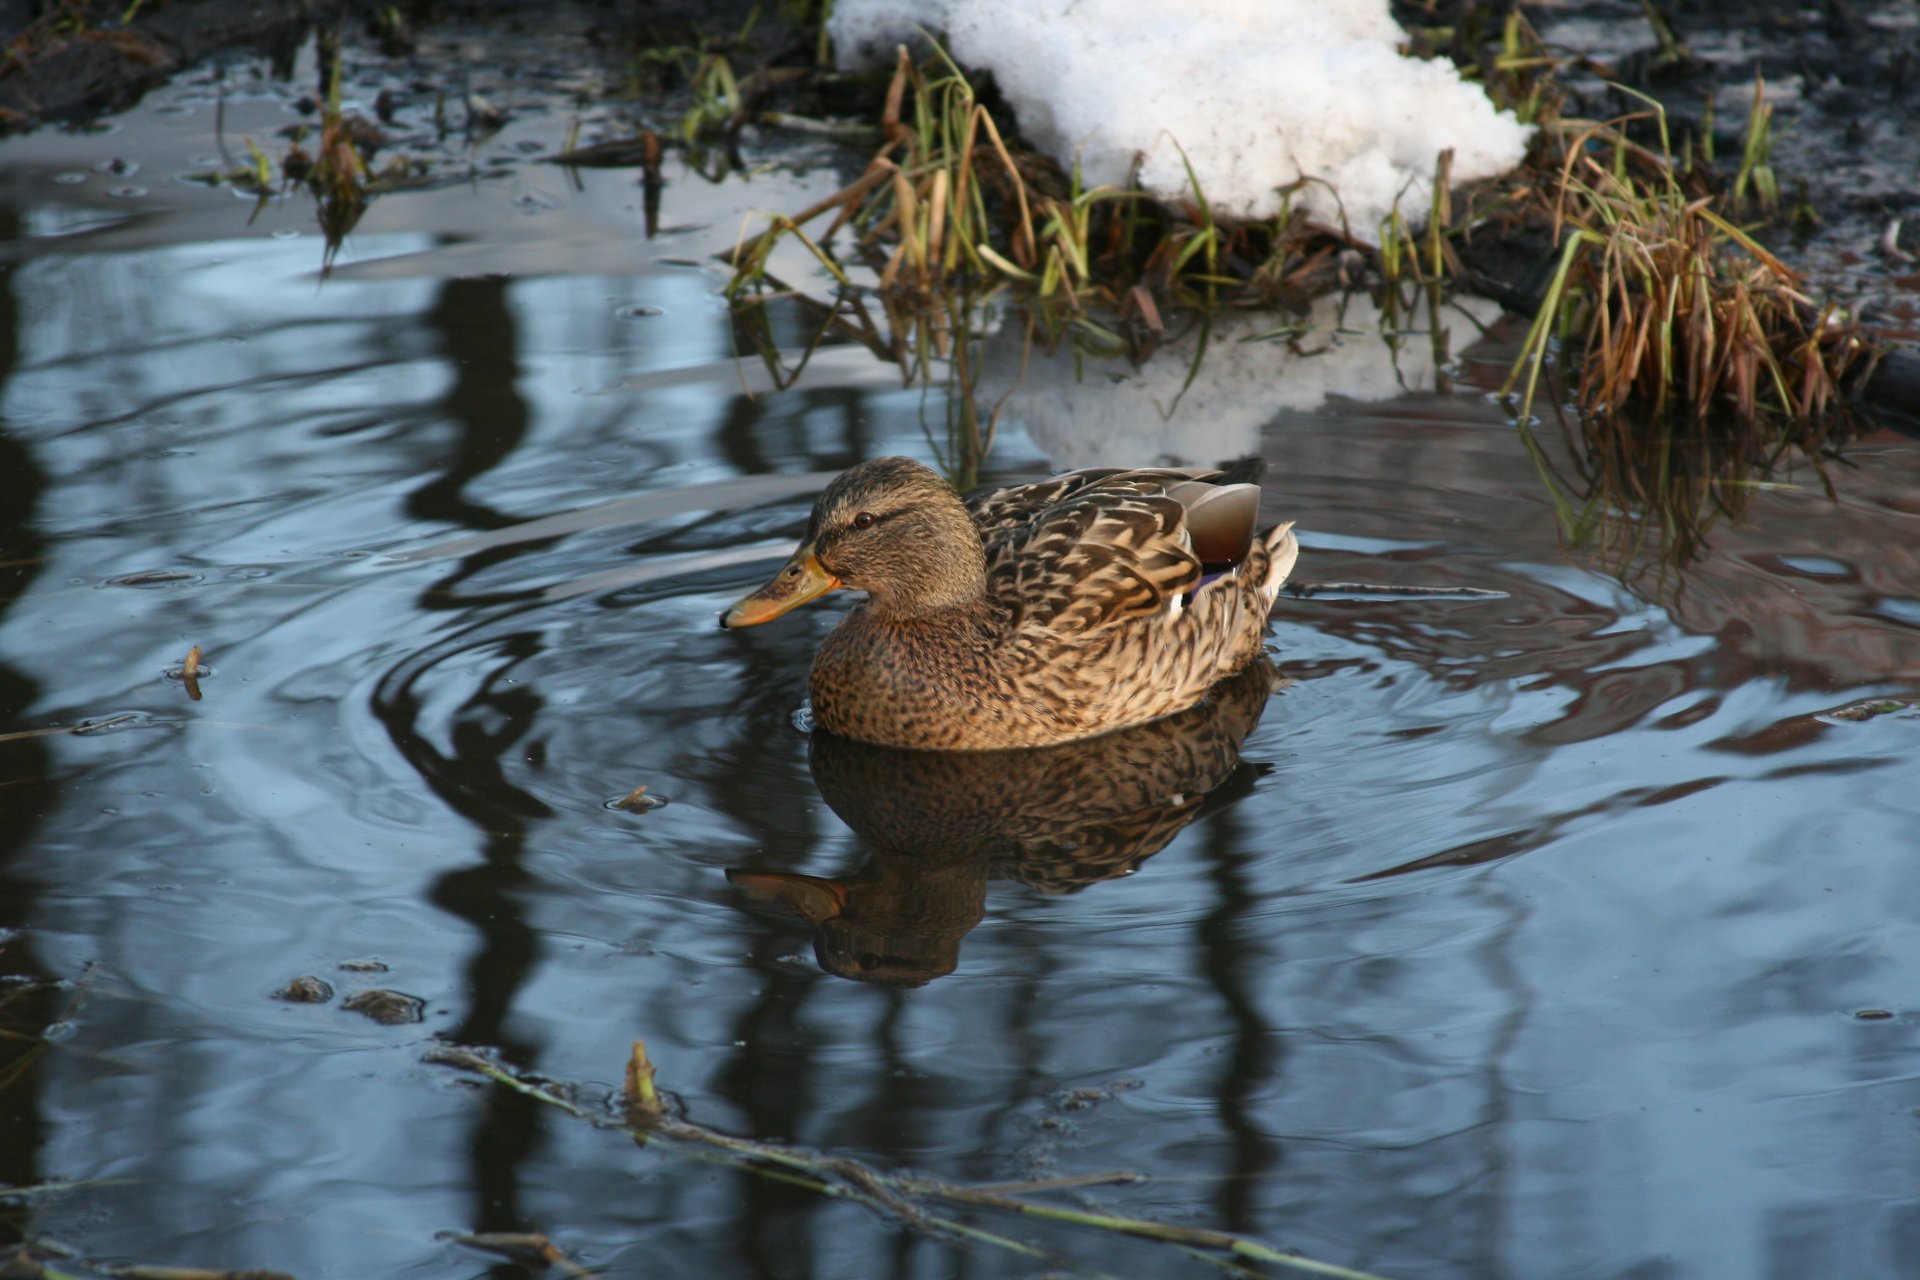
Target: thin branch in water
(898, 1196)
(1400, 591)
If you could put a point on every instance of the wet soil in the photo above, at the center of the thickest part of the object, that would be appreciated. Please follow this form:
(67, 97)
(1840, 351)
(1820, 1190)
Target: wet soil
(71, 62)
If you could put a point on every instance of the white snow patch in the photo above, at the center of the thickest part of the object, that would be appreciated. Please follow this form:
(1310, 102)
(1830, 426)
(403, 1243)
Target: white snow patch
(1259, 93)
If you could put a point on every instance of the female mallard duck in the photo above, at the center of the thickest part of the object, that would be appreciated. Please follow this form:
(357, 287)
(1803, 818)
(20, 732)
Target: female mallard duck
(1031, 615)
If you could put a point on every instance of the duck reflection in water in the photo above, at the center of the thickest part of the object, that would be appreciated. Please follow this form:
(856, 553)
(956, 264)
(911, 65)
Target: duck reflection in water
(941, 824)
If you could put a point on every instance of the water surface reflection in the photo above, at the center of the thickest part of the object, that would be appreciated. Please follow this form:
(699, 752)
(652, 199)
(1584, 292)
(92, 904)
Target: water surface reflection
(1057, 819)
(454, 542)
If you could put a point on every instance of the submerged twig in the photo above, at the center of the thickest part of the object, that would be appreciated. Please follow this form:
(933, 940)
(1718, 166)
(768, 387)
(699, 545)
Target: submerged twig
(1305, 589)
(899, 1196)
(531, 1248)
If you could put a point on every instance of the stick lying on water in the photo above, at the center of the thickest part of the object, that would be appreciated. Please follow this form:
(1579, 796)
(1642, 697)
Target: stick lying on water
(1304, 589)
(899, 1196)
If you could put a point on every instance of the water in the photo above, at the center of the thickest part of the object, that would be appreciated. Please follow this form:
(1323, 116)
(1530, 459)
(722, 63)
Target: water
(1540, 933)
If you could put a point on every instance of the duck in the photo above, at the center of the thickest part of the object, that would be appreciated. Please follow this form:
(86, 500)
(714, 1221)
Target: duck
(1031, 615)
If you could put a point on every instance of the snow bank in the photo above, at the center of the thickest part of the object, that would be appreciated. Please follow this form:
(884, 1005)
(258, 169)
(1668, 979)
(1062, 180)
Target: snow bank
(1258, 92)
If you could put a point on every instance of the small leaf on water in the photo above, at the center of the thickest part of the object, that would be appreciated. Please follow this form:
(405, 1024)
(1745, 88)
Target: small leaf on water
(389, 1008)
(638, 801)
(305, 989)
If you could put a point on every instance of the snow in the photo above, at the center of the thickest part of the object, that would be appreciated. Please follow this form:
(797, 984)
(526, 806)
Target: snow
(1257, 93)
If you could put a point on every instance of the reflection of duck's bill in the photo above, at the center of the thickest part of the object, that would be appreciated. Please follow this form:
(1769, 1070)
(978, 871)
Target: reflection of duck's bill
(801, 579)
(809, 897)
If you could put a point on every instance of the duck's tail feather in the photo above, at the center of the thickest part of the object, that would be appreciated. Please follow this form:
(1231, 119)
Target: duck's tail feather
(1282, 550)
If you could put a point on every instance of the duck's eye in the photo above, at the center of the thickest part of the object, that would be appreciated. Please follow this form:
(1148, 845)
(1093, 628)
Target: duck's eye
(864, 520)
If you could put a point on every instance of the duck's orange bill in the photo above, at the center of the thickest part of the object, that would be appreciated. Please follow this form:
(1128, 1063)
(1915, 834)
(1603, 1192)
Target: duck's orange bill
(799, 580)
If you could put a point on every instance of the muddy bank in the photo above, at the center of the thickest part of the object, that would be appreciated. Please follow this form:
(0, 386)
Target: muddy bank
(73, 61)
(77, 61)
(1840, 82)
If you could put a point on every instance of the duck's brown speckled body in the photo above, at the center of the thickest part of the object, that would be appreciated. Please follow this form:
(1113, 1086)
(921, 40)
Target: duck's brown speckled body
(1031, 615)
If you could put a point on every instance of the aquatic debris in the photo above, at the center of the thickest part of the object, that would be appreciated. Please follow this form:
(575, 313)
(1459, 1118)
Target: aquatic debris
(528, 1248)
(643, 1100)
(113, 723)
(483, 118)
(1871, 708)
(188, 1273)
(305, 989)
(188, 673)
(389, 1008)
(621, 153)
(638, 801)
(910, 1200)
(1391, 591)
(151, 578)
(91, 727)
(29, 1022)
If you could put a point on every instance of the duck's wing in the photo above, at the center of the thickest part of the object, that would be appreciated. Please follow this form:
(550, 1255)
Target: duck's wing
(1000, 512)
(1111, 546)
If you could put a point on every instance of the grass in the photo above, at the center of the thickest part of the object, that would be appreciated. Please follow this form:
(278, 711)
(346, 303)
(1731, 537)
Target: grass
(1674, 308)
(1696, 366)
(1693, 359)
(1689, 366)
(949, 200)
(338, 172)
(1756, 180)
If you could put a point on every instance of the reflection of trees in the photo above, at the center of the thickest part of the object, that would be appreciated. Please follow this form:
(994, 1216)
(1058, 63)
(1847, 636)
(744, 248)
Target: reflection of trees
(480, 345)
(938, 827)
(1255, 1053)
(28, 999)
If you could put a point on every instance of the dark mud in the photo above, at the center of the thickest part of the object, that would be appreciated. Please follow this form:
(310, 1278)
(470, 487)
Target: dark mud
(68, 63)
(73, 61)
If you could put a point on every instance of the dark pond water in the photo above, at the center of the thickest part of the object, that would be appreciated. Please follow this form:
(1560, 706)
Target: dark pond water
(1539, 934)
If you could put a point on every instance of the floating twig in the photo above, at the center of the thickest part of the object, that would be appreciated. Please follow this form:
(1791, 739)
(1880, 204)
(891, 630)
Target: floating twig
(530, 1248)
(1400, 590)
(902, 1197)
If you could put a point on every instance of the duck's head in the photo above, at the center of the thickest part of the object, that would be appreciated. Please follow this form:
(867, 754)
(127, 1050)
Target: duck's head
(889, 527)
